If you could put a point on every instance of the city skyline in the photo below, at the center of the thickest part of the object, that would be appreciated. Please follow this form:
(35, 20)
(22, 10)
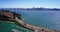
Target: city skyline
(29, 3)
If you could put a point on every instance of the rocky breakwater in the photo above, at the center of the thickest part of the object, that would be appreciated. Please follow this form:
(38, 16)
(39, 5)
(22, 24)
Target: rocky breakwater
(11, 16)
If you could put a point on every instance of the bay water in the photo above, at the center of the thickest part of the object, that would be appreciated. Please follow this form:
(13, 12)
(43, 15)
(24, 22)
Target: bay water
(46, 19)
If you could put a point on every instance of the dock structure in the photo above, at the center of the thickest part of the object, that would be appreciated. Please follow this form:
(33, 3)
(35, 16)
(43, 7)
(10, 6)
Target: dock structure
(14, 17)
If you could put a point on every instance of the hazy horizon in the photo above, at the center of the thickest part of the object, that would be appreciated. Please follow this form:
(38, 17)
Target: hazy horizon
(29, 3)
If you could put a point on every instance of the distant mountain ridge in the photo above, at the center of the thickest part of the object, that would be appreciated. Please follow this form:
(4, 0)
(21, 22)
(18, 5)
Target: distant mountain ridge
(30, 8)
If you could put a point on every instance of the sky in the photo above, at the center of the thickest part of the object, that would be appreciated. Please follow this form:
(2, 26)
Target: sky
(29, 3)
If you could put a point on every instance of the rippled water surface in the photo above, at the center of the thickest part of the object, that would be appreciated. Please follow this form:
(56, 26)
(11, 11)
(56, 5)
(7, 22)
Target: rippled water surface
(47, 19)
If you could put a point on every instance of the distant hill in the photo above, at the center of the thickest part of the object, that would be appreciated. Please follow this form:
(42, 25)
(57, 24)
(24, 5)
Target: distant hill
(30, 9)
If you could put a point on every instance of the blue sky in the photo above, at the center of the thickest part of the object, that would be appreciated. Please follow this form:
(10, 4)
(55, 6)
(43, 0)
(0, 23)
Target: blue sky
(29, 3)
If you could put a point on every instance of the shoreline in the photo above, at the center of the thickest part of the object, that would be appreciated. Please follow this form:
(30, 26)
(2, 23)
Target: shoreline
(14, 17)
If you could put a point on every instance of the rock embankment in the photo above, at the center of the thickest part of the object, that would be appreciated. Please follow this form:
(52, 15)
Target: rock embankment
(9, 16)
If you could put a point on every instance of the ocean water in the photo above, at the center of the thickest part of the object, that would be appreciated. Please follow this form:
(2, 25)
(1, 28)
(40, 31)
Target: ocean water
(8, 27)
(46, 19)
